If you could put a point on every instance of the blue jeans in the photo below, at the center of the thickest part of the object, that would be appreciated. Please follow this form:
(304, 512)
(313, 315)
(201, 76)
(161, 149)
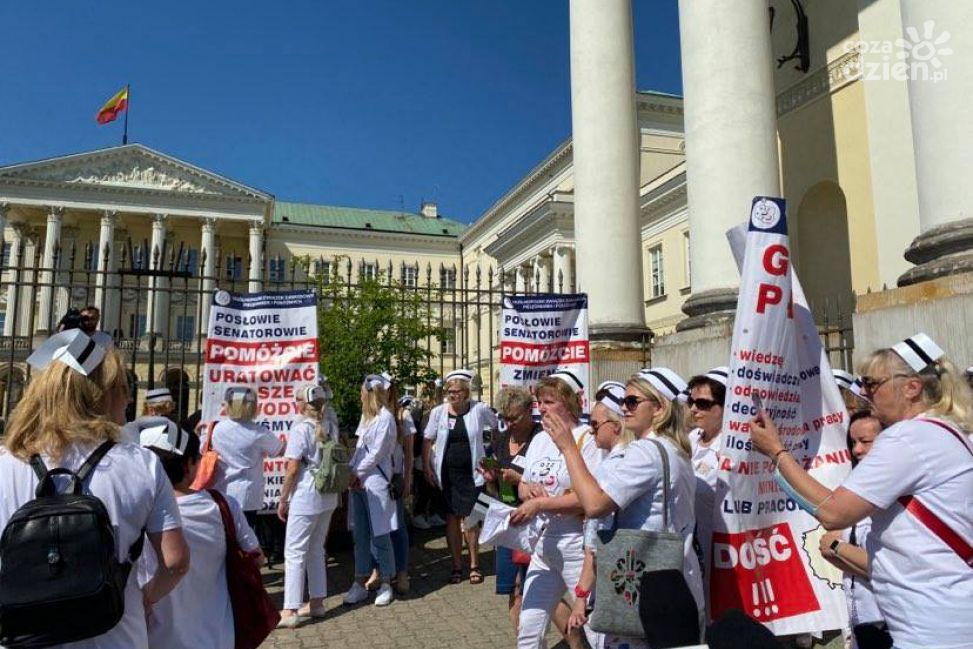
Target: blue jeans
(366, 545)
(507, 571)
(400, 542)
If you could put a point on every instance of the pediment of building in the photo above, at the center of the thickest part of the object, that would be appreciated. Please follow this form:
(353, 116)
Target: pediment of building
(128, 167)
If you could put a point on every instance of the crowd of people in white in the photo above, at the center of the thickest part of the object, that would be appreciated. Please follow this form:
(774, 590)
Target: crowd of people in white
(646, 458)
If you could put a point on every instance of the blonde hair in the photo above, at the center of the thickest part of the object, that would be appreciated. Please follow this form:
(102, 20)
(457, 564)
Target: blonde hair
(462, 384)
(562, 392)
(241, 409)
(375, 399)
(670, 420)
(158, 409)
(625, 435)
(62, 407)
(945, 392)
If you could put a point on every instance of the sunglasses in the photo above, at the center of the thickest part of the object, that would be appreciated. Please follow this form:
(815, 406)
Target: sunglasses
(702, 404)
(870, 383)
(632, 402)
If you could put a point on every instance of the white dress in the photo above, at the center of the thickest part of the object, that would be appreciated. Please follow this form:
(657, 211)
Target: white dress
(135, 490)
(197, 612)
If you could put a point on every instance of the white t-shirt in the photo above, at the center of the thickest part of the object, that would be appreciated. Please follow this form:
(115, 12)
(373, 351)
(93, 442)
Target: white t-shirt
(593, 525)
(924, 590)
(546, 466)
(302, 446)
(242, 446)
(862, 605)
(635, 486)
(135, 490)
(197, 612)
(706, 463)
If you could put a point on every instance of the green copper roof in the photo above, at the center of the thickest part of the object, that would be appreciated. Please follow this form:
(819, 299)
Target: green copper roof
(354, 218)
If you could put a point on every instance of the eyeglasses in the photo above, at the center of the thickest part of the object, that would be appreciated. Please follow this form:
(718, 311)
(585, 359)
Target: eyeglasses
(871, 384)
(507, 419)
(632, 402)
(455, 392)
(702, 404)
(596, 425)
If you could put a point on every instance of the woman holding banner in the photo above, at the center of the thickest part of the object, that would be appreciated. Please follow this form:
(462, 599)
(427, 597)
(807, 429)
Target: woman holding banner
(452, 450)
(916, 484)
(373, 510)
(546, 490)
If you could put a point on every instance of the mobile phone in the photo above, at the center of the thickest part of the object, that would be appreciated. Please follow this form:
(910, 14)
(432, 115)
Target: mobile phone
(758, 403)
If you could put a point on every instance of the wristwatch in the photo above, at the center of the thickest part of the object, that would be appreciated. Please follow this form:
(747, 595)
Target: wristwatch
(834, 547)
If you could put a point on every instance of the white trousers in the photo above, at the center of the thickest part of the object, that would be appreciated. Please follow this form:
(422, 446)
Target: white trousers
(553, 573)
(304, 553)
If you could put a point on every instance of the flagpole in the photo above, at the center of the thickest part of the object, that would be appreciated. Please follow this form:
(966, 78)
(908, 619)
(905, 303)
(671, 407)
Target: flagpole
(128, 104)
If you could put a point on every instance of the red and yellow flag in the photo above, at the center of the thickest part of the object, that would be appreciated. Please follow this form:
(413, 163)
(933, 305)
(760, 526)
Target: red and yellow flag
(117, 104)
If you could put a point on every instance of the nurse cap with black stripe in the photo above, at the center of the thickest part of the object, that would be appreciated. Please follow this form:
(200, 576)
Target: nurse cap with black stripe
(668, 383)
(919, 351)
(240, 394)
(158, 395)
(569, 378)
(74, 348)
(610, 394)
(460, 375)
(719, 374)
(162, 434)
(843, 379)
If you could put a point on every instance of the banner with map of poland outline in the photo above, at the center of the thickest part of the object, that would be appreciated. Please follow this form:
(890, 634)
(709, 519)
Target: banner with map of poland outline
(766, 558)
(269, 342)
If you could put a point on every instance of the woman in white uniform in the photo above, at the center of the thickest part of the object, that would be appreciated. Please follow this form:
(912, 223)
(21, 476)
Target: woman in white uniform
(452, 450)
(632, 491)
(70, 408)
(916, 484)
(306, 511)
(545, 488)
(197, 613)
(373, 511)
(243, 444)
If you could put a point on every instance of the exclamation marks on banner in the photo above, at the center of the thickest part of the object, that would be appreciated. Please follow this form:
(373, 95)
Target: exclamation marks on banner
(763, 596)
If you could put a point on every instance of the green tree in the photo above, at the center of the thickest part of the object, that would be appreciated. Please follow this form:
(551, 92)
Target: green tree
(370, 327)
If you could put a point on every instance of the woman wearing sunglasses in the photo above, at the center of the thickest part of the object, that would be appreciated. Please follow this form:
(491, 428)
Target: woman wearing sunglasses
(707, 394)
(632, 491)
(555, 565)
(916, 483)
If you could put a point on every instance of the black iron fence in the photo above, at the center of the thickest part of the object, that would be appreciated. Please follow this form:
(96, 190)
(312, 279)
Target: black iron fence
(154, 303)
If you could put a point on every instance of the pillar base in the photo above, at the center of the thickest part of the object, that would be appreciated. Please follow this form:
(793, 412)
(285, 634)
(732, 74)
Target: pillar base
(943, 250)
(709, 308)
(619, 333)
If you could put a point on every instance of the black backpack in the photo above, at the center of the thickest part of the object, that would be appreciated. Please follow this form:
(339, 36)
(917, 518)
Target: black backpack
(60, 578)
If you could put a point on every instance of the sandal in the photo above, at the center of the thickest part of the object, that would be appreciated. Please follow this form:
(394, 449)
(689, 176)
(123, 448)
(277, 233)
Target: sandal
(476, 577)
(456, 576)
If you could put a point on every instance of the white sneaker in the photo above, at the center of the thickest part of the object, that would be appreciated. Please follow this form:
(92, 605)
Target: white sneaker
(355, 595)
(384, 597)
(420, 523)
(436, 521)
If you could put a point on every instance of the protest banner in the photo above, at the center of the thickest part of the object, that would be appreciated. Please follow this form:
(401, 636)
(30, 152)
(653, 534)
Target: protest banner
(269, 342)
(766, 558)
(543, 333)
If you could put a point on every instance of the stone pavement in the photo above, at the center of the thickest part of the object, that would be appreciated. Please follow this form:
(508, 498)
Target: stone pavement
(436, 614)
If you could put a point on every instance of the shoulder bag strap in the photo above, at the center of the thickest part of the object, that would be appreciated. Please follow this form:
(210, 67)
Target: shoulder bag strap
(208, 444)
(229, 528)
(665, 482)
(93, 460)
(949, 429)
(37, 464)
(581, 439)
(378, 465)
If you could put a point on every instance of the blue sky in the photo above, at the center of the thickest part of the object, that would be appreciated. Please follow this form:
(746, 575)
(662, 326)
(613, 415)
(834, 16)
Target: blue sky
(367, 103)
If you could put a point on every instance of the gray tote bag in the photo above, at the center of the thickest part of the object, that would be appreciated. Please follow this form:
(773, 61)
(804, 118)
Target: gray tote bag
(623, 557)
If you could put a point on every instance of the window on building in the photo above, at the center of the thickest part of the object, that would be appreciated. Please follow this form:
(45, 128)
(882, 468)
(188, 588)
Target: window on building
(657, 277)
(448, 345)
(688, 264)
(136, 326)
(278, 268)
(369, 271)
(322, 270)
(447, 278)
(139, 261)
(234, 267)
(185, 327)
(3, 320)
(5, 261)
(410, 276)
(189, 262)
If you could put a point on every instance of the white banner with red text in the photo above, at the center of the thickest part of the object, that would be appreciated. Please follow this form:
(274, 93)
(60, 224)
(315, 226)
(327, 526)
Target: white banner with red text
(269, 342)
(542, 333)
(766, 557)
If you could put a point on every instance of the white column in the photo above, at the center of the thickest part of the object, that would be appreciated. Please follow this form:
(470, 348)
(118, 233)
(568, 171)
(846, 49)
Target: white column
(46, 320)
(156, 308)
(563, 274)
(29, 321)
(256, 255)
(520, 279)
(943, 139)
(104, 256)
(4, 207)
(606, 166)
(14, 279)
(731, 137)
(207, 246)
